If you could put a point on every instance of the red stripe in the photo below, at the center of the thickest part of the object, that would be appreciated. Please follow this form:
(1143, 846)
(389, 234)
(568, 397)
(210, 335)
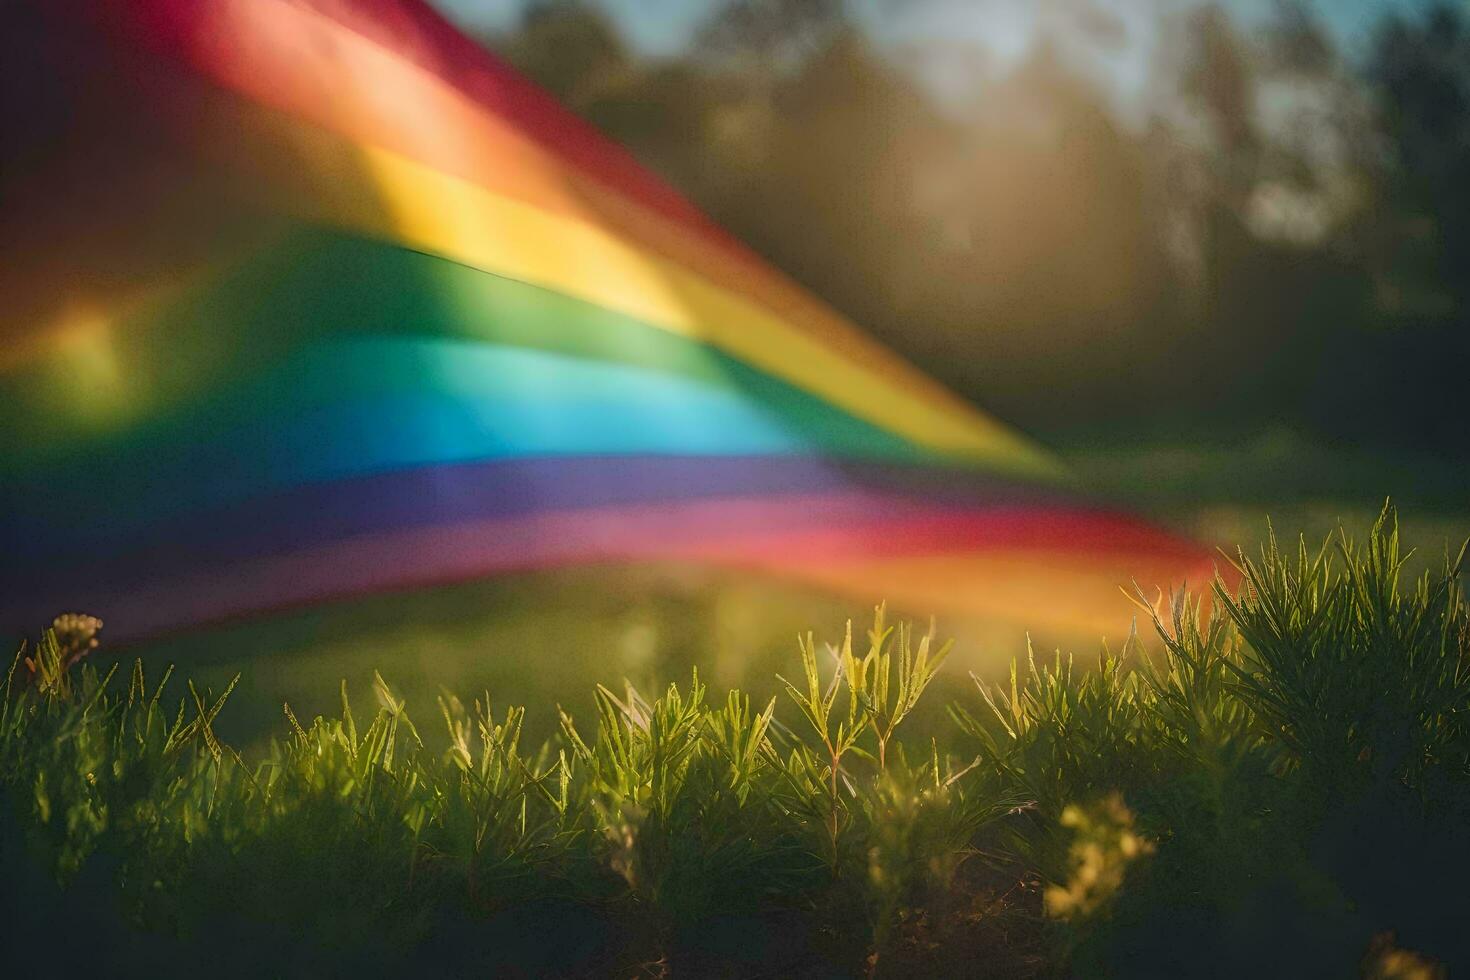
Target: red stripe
(753, 532)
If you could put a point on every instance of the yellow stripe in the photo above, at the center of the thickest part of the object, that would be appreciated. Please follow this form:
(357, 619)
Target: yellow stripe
(386, 195)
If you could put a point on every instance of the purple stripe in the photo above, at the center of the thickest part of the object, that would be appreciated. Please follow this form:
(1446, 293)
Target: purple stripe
(441, 495)
(767, 534)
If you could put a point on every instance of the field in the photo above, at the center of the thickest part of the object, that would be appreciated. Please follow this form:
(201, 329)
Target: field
(547, 639)
(1279, 790)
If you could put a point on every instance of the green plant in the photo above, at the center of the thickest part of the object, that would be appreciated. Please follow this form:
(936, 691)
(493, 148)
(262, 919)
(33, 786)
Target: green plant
(1292, 758)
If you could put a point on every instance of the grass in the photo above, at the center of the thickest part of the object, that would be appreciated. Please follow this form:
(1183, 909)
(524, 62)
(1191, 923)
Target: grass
(1277, 784)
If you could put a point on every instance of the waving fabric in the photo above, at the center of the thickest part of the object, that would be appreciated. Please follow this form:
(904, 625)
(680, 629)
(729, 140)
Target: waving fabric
(307, 299)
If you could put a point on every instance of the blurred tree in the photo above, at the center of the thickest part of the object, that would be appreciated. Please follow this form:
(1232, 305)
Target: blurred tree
(1421, 78)
(661, 111)
(771, 35)
(1046, 299)
(572, 49)
(1416, 233)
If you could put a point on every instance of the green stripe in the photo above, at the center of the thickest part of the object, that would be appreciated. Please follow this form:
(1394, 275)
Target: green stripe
(325, 285)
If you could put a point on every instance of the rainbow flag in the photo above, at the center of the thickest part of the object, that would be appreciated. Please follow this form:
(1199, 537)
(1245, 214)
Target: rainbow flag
(311, 299)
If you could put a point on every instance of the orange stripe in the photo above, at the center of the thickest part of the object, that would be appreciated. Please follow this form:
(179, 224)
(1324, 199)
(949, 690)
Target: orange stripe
(1025, 586)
